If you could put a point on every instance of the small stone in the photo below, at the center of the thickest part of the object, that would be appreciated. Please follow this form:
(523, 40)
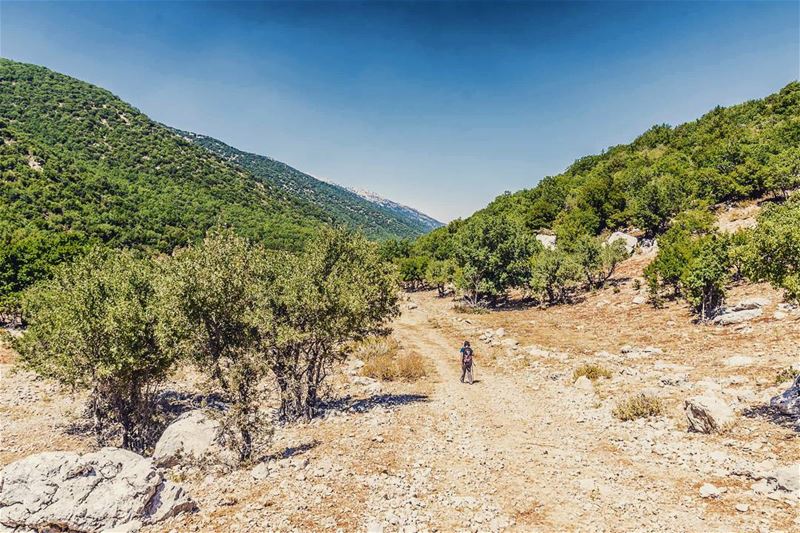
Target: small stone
(584, 383)
(709, 491)
(742, 507)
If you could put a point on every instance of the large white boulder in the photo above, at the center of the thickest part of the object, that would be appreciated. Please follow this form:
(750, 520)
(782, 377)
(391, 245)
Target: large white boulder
(108, 490)
(192, 437)
(629, 240)
(548, 241)
(708, 414)
(728, 317)
(788, 402)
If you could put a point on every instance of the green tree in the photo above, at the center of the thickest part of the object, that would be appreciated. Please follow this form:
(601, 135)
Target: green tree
(553, 272)
(322, 302)
(707, 274)
(598, 259)
(212, 292)
(412, 271)
(95, 326)
(440, 273)
(493, 255)
(773, 253)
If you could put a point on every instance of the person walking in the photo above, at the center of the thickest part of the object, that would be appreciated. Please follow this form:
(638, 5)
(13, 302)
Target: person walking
(466, 362)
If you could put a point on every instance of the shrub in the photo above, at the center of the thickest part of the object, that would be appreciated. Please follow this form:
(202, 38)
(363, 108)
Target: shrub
(95, 326)
(591, 371)
(638, 406)
(411, 367)
(553, 272)
(391, 366)
(787, 374)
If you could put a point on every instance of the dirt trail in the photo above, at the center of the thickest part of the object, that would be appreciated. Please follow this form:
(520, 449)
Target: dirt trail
(524, 448)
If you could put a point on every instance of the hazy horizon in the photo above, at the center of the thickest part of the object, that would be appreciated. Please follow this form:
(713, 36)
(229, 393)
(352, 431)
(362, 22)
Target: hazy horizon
(440, 106)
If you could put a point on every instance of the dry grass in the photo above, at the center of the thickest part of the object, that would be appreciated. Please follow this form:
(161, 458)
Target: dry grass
(591, 371)
(787, 374)
(384, 360)
(411, 367)
(638, 406)
(6, 353)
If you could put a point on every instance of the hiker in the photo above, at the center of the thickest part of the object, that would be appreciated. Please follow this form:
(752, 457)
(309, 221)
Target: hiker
(466, 361)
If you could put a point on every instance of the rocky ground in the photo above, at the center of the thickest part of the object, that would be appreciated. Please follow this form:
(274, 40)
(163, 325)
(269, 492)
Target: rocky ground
(525, 447)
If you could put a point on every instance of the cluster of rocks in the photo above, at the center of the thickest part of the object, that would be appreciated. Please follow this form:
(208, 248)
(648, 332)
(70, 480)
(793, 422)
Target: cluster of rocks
(742, 312)
(111, 489)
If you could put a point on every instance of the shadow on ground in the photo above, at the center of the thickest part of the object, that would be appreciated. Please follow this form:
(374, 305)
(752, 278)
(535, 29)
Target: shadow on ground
(362, 405)
(773, 415)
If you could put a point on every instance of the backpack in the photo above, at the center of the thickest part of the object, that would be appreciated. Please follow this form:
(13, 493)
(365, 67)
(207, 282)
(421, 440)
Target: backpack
(466, 356)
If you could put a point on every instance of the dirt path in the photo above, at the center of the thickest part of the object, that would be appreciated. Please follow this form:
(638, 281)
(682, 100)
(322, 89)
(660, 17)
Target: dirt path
(525, 452)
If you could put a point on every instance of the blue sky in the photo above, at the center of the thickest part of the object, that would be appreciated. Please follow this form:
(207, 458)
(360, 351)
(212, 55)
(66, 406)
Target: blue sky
(442, 105)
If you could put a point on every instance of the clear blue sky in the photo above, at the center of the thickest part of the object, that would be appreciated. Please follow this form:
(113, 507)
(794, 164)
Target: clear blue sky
(438, 105)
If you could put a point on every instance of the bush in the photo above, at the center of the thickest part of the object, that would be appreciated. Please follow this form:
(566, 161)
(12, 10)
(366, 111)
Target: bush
(773, 253)
(411, 367)
(95, 326)
(638, 406)
(591, 371)
(553, 272)
(787, 374)
(384, 360)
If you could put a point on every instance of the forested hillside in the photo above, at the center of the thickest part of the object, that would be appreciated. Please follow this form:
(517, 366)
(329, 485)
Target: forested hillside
(344, 206)
(663, 184)
(743, 151)
(80, 166)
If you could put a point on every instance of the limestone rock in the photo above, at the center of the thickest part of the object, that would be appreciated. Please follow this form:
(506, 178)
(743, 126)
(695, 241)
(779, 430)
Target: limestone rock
(584, 383)
(788, 478)
(190, 437)
(111, 489)
(708, 414)
(548, 241)
(788, 402)
(728, 317)
(739, 360)
(629, 240)
(751, 303)
(710, 491)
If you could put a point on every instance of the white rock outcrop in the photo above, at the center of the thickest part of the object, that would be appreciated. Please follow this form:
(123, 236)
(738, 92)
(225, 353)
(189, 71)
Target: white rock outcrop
(190, 438)
(108, 490)
(708, 414)
(629, 240)
(727, 317)
(788, 402)
(548, 241)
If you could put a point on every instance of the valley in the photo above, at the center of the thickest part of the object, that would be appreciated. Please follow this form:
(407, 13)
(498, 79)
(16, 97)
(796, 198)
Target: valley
(525, 448)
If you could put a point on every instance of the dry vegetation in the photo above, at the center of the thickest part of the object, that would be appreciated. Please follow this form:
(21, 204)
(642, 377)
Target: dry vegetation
(638, 406)
(592, 371)
(386, 360)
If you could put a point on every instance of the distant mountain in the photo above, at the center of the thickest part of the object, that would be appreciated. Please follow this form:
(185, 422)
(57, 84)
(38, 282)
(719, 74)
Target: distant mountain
(402, 210)
(378, 217)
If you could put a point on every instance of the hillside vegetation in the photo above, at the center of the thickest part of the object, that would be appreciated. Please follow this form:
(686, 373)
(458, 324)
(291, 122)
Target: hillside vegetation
(79, 167)
(666, 182)
(341, 205)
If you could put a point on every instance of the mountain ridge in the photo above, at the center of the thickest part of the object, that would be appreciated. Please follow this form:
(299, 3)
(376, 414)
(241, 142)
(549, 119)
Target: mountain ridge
(378, 217)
